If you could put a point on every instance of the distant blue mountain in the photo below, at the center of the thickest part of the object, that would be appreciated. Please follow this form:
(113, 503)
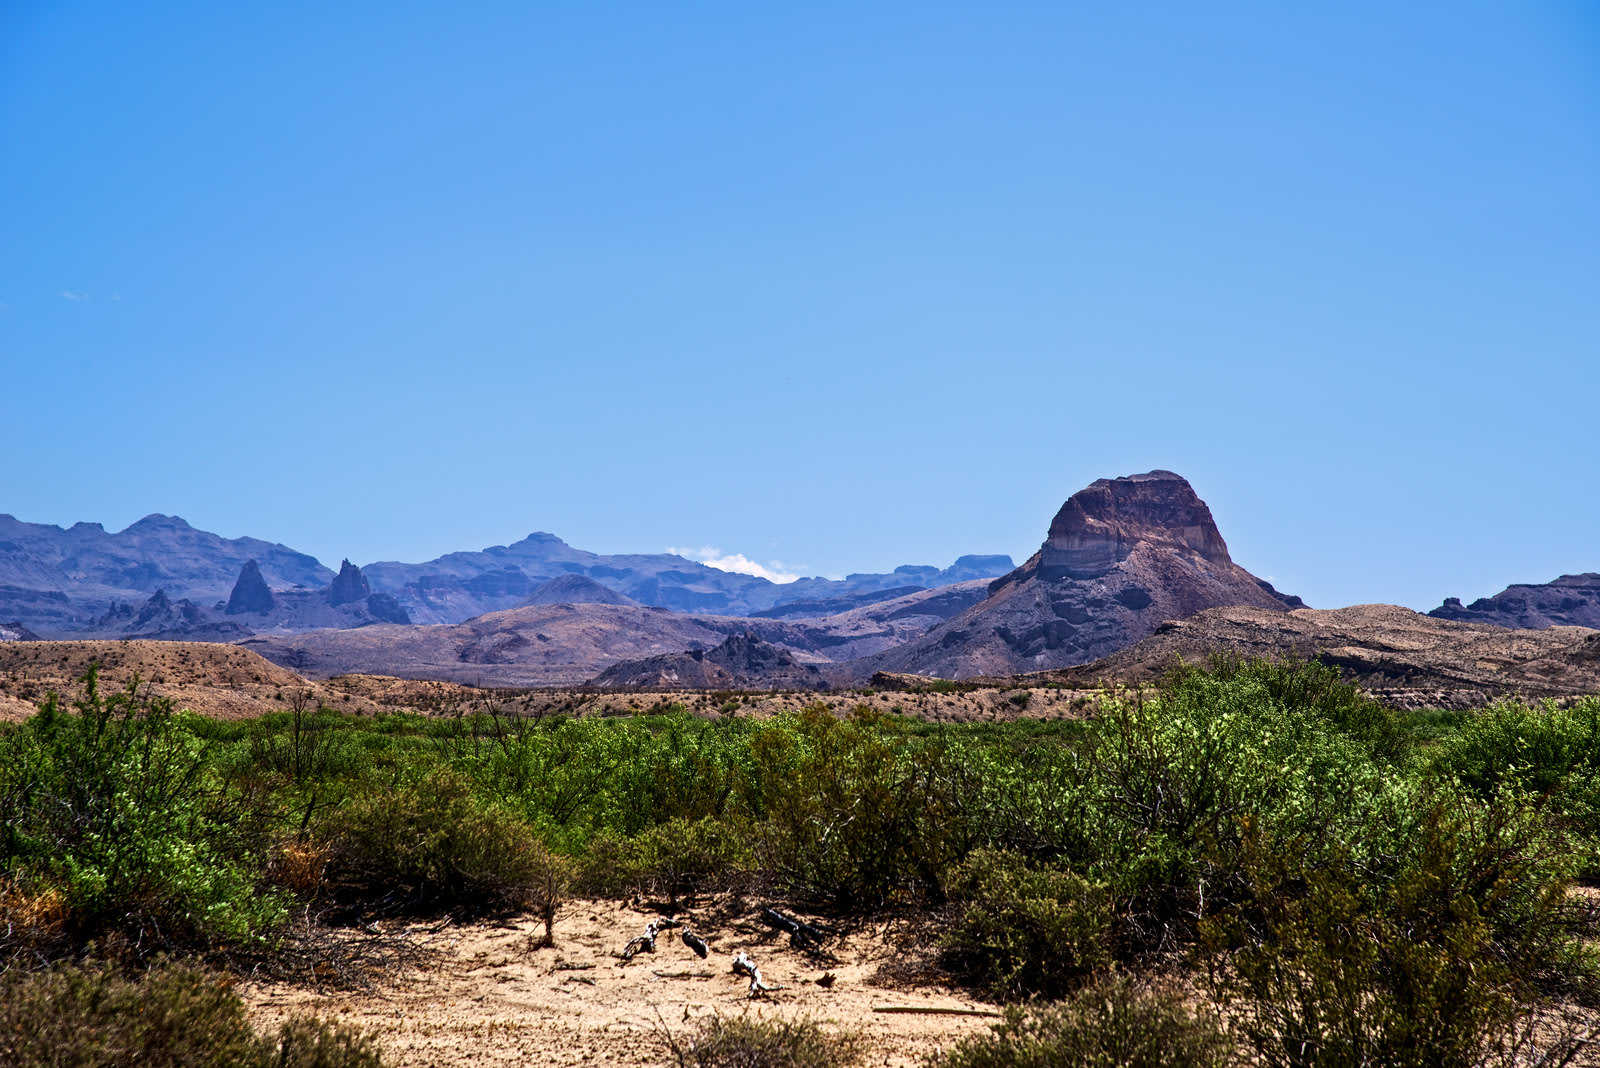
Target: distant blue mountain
(56, 580)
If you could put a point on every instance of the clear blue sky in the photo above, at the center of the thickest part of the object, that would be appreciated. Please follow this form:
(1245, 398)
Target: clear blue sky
(838, 287)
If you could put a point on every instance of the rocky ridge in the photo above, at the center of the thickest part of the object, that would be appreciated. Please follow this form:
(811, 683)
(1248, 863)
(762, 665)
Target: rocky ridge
(1569, 601)
(56, 579)
(61, 582)
(1403, 657)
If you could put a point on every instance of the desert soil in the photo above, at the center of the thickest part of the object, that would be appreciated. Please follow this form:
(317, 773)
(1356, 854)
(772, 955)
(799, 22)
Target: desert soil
(490, 996)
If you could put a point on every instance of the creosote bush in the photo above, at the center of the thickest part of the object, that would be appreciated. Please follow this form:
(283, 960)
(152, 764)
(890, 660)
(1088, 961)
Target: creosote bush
(171, 1016)
(1112, 1024)
(855, 811)
(1541, 751)
(431, 847)
(1027, 931)
(677, 859)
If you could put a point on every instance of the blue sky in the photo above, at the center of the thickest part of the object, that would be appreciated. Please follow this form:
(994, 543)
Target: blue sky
(835, 288)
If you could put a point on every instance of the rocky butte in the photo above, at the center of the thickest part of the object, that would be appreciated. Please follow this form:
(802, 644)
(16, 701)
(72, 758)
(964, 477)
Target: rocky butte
(1122, 556)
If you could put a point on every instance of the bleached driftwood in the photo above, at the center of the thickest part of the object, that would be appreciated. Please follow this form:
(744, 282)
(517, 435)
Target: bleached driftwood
(646, 943)
(743, 965)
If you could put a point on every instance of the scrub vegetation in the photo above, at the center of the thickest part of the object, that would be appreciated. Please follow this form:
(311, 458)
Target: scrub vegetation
(1341, 884)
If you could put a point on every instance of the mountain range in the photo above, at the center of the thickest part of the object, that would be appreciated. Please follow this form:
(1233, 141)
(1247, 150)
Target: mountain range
(163, 577)
(1131, 570)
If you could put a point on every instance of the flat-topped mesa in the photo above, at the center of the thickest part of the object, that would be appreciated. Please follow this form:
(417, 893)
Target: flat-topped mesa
(1099, 525)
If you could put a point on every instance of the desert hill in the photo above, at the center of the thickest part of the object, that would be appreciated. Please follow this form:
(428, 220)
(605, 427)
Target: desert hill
(1569, 601)
(1403, 657)
(212, 679)
(575, 589)
(1122, 556)
(742, 662)
(567, 644)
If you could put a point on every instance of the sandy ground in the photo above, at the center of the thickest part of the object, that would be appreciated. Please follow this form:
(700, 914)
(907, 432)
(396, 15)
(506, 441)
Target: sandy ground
(494, 998)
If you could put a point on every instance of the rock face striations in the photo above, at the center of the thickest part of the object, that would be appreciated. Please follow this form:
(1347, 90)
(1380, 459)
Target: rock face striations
(1569, 601)
(1122, 556)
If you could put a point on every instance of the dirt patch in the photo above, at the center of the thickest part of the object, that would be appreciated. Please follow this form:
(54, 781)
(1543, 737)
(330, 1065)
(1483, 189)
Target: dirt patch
(495, 998)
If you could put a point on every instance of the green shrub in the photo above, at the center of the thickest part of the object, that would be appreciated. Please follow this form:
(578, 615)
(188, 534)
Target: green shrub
(1309, 688)
(431, 846)
(1434, 960)
(676, 859)
(1173, 776)
(756, 1043)
(115, 810)
(172, 1016)
(1544, 751)
(855, 811)
(1025, 931)
(1112, 1024)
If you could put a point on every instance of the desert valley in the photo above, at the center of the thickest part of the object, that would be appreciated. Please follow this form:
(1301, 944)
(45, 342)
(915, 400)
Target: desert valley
(464, 796)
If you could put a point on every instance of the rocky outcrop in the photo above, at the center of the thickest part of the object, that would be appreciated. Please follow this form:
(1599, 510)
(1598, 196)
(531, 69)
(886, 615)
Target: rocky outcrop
(164, 619)
(349, 585)
(1121, 557)
(250, 592)
(742, 662)
(1101, 525)
(1569, 601)
(385, 609)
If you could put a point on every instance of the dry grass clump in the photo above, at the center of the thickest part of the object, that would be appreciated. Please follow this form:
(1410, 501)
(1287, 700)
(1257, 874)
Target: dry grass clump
(744, 1042)
(1111, 1023)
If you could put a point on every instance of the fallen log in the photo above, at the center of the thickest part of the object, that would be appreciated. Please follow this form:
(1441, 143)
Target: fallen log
(801, 934)
(694, 942)
(936, 1010)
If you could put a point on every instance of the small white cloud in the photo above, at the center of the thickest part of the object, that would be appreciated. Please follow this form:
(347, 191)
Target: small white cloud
(70, 295)
(737, 563)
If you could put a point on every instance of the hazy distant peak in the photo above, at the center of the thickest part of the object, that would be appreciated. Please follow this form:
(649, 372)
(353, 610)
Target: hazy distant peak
(156, 521)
